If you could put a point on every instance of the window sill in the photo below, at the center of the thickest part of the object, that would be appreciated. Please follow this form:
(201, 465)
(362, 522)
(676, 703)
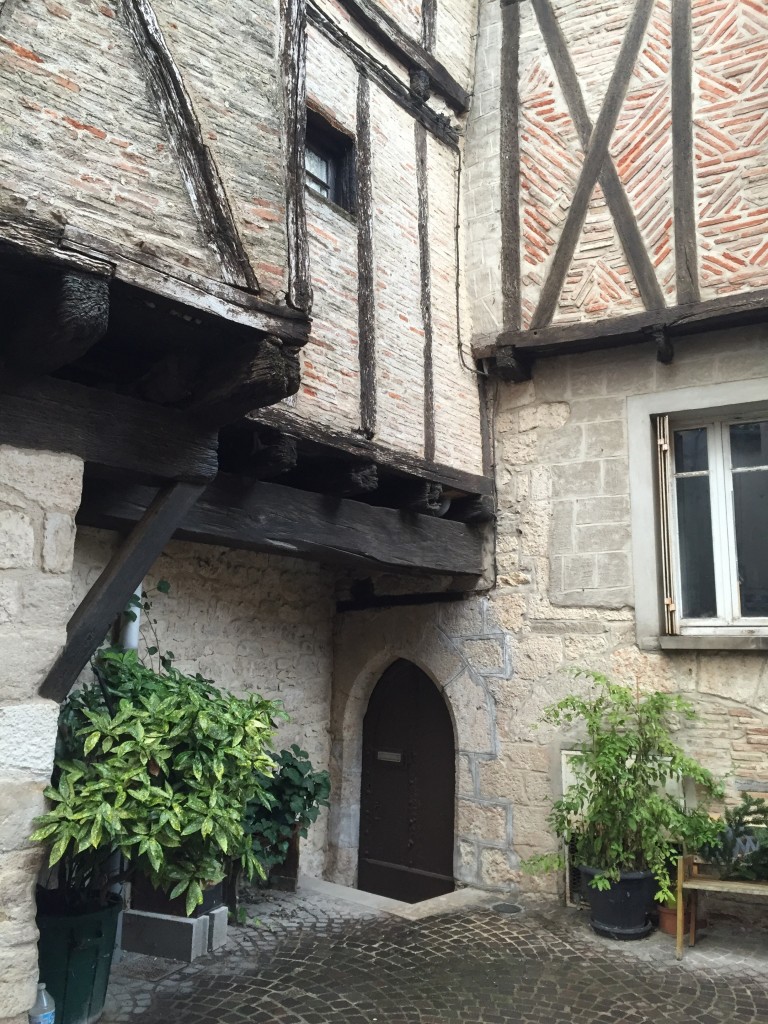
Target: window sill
(330, 204)
(714, 642)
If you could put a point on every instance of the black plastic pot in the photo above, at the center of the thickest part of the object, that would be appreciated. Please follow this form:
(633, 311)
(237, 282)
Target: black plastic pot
(75, 957)
(620, 912)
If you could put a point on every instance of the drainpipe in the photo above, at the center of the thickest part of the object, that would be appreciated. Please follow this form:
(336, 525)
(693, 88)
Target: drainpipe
(129, 628)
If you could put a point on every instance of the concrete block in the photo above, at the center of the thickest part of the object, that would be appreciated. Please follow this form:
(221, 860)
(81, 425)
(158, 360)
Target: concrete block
(175, 938)
(217, 928)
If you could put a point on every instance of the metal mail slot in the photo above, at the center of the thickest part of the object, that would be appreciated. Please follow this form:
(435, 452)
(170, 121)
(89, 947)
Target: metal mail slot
(389, 755)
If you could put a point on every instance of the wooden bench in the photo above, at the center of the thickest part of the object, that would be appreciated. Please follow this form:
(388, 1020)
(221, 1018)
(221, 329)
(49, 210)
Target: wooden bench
(693, 880)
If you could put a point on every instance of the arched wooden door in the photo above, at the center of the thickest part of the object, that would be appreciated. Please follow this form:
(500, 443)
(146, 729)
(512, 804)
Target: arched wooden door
(407, 797)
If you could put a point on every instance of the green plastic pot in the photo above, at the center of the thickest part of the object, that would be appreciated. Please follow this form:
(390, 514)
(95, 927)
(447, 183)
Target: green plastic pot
(75, 957)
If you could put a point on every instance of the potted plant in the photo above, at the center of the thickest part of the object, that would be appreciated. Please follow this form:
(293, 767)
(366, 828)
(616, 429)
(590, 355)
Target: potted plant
(289, 801)
(153, 773)
(740, 853)
(624, 823)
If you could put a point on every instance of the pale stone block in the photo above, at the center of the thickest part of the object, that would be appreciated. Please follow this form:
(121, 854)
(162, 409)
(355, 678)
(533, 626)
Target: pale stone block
(615, 476)
(10, 600)
(52, 480)
(46, 601)
(518, 449)
(496, 869)
(484, 822)
(17, 540)
(466, 862)
(471, 712)
(485, 656)
(18, 979)
(613, 570)
(561, 530)
(27, 655)
(20, 804)
(561, 445)
(579, 572)
(602, 510)
(58, 542)
(500, 780)
(591, 410)
(600, 538)
(27, 738)
(732, 676)
(509, 610)
(605, 439)
(538, 657)
(465, 776)
(576, 479)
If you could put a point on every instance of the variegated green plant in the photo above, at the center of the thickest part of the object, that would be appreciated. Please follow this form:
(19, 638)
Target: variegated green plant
(157, 766)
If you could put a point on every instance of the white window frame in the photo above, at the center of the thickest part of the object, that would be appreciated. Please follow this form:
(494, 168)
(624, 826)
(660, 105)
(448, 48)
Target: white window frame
(731, 399)
(725, 561)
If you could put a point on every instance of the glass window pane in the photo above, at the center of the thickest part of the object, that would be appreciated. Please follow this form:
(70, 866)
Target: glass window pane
(750, 505)
(697, 563)
(317, 166)
(691, 450)
(749, 444)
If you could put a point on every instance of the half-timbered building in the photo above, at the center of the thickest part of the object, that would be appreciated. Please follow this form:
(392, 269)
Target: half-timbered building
(421, 345)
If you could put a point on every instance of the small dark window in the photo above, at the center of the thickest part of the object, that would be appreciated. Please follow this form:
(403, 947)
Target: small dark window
(329, 162)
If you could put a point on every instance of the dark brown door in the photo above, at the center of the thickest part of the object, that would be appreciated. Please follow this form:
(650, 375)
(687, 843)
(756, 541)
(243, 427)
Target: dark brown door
(407, 798)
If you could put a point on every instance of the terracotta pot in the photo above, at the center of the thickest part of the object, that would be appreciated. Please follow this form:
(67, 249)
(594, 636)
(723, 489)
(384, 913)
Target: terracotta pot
(668, 920)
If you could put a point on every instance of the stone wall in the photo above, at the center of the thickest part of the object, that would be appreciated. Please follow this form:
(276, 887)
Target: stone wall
(563, 598)
(251, 623)
(39, 495)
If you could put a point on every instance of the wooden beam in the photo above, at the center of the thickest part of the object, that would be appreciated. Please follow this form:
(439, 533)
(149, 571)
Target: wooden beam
(676, 321)
(615, 195)
(252, 376)
(293, 65)
(595, 156)
(198, 167)
(438, 124)
(273, 518)
(366, 308)
(118, 433)
(217, 298)
(425, 274)
(66, 313)
(386, 31)
(683, 192)
(428, 24)
(386, 457)
(110, 593)
(262, 454)
(342, 480)
(27, 241)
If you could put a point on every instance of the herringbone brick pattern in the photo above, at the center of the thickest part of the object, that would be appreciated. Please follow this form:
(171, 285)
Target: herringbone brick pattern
(730, 41)
(730, 110)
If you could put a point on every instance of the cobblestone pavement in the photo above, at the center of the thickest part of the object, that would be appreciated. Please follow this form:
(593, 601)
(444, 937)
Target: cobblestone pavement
(314, 959)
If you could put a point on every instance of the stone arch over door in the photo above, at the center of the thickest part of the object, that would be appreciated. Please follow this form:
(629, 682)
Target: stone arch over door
(437, 639)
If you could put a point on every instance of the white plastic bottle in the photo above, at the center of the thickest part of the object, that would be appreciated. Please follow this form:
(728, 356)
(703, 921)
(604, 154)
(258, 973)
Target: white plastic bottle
(44, 1010)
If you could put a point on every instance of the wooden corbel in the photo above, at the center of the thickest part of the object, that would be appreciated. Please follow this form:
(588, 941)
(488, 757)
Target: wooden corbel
(665, 351)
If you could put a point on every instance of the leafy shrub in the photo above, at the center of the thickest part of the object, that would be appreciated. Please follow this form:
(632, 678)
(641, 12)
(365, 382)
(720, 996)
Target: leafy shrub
(289, 797)
(741, 853)
(158, 766)
(617, 810)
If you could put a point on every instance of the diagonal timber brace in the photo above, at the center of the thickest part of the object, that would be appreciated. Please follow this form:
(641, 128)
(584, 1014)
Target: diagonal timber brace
(112, 590)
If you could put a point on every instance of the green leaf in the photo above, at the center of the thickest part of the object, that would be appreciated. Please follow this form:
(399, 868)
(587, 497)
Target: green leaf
(91, 742)
(163, 586)
(194, 897)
